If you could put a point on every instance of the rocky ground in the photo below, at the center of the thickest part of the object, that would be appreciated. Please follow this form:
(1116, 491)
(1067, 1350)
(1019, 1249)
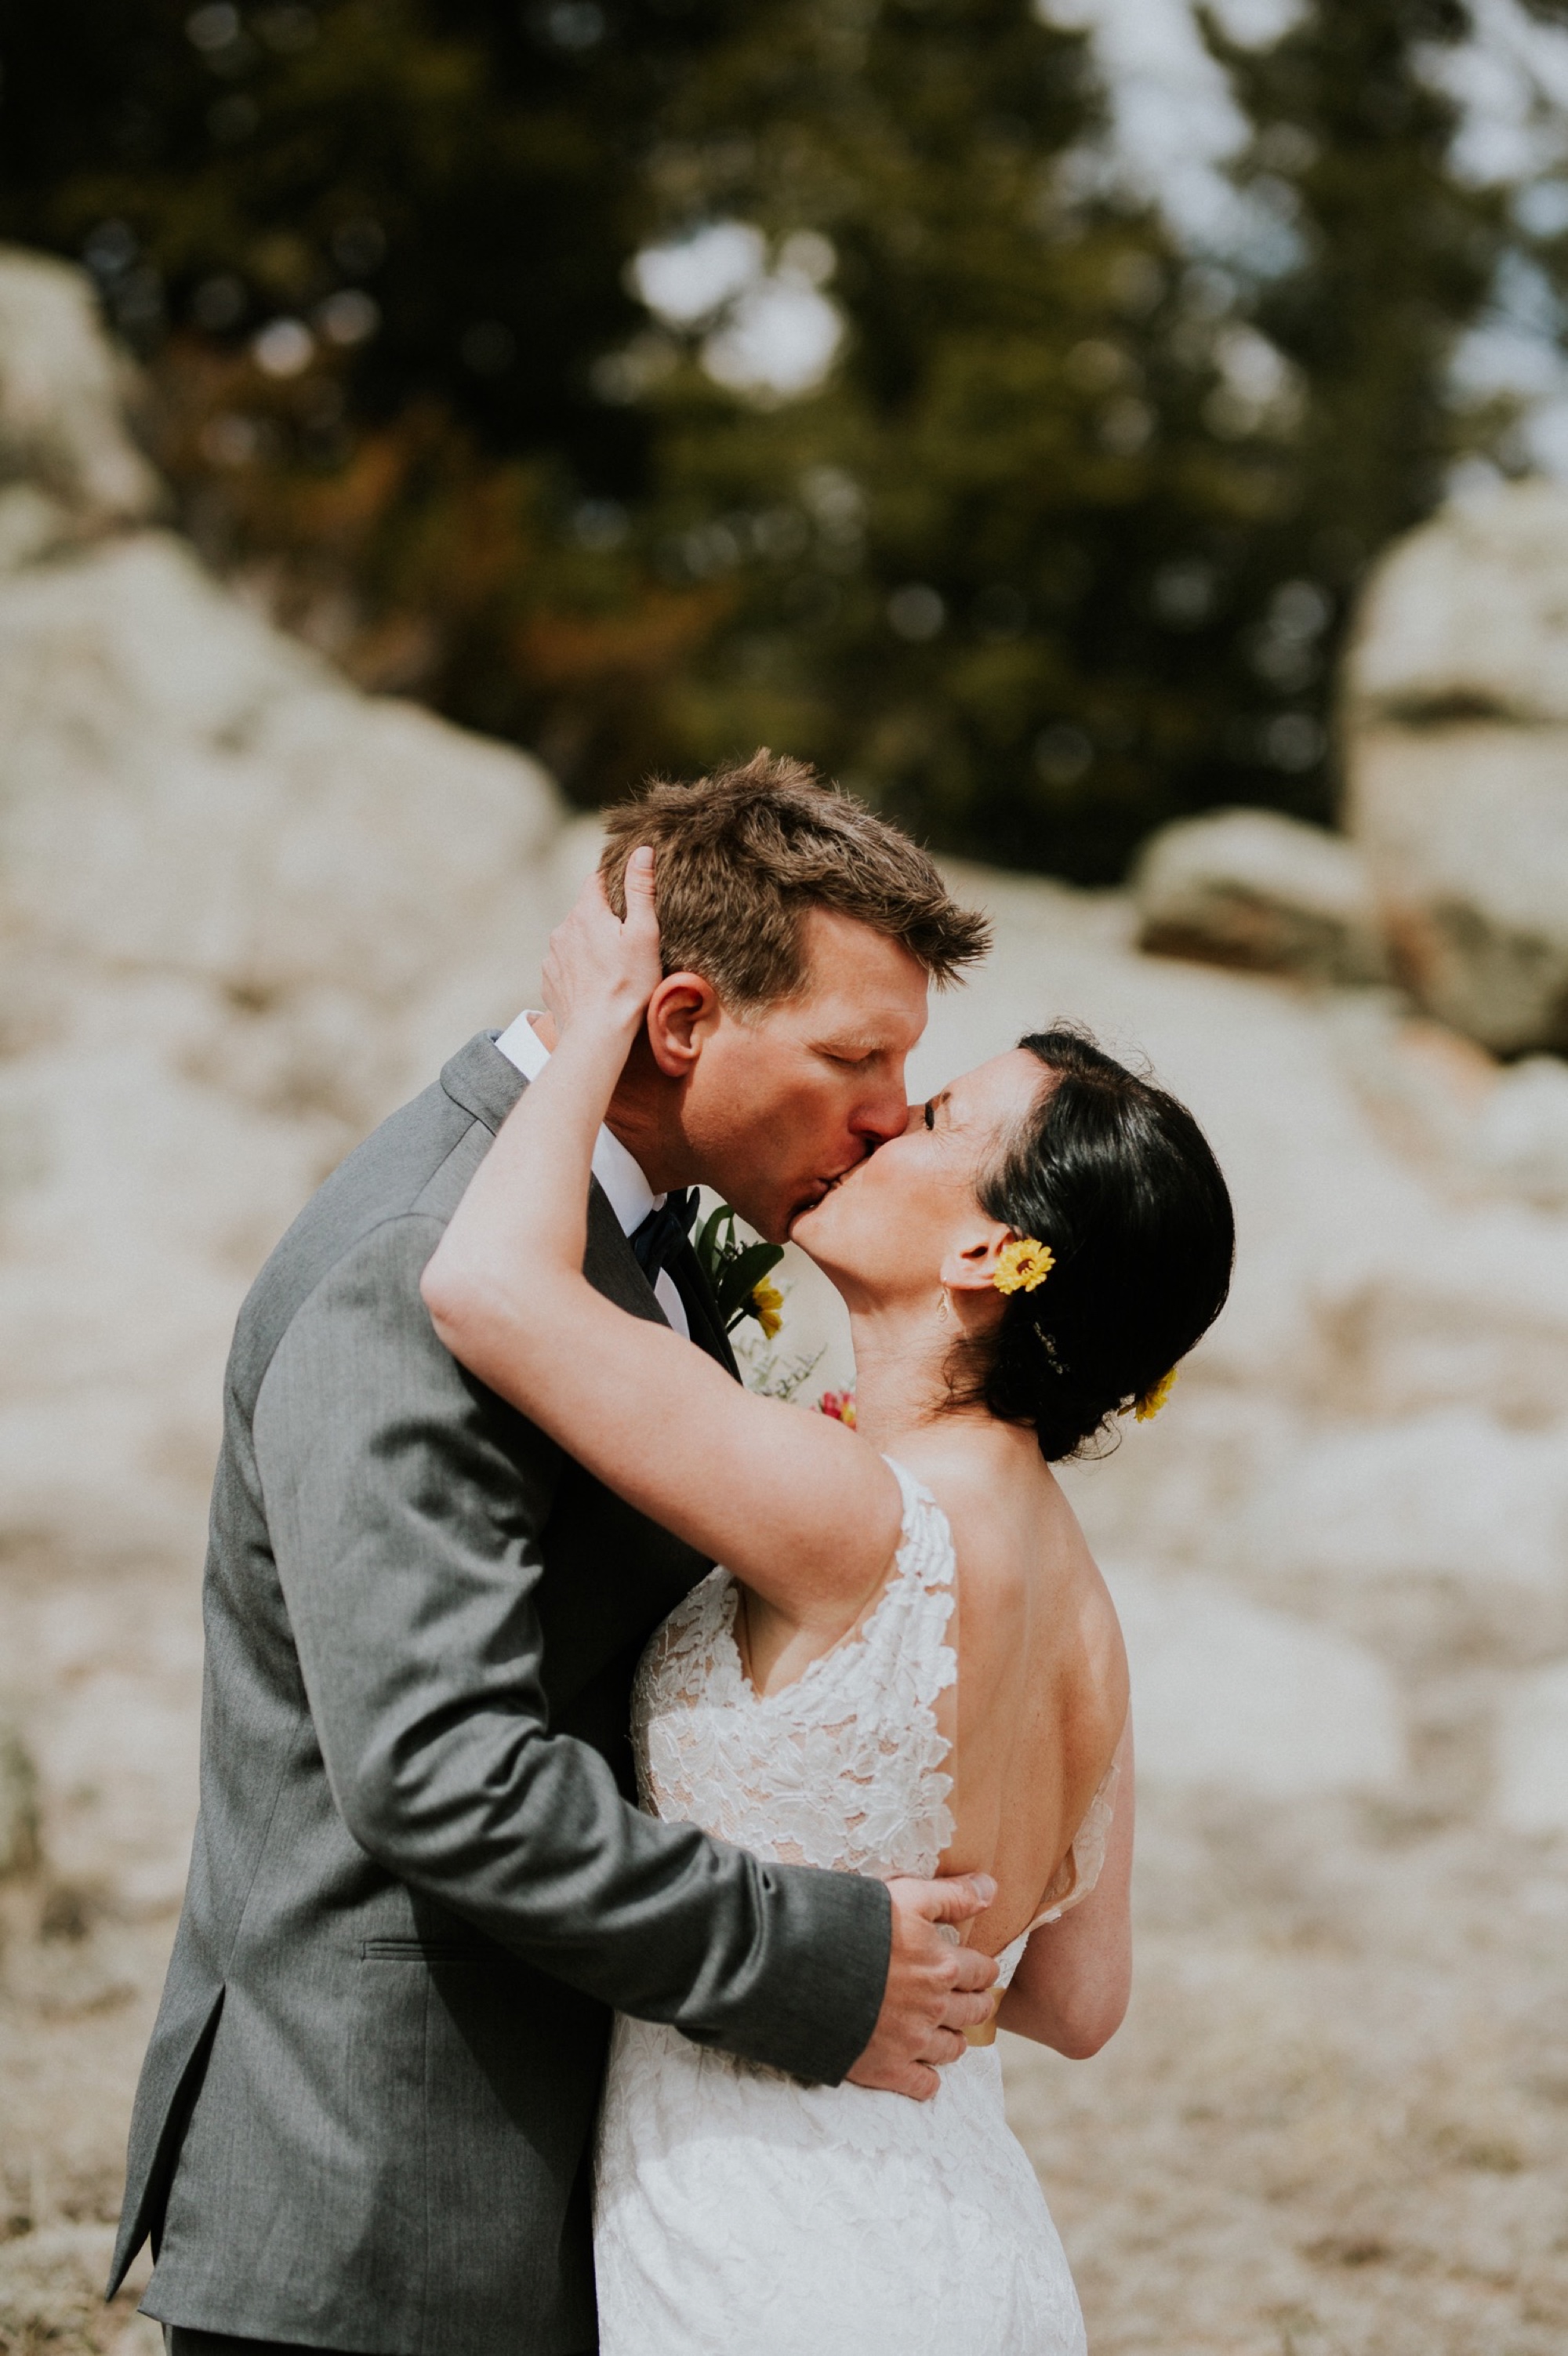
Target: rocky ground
(243, 911)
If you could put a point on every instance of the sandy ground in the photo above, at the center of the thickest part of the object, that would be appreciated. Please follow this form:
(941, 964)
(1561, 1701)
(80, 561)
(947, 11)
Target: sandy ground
(1336, 2122)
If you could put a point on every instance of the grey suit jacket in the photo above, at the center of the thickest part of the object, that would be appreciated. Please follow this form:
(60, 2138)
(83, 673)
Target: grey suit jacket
(418, 1885)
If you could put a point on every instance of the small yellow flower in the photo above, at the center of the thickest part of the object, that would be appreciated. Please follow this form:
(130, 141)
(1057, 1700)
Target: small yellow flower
(1149, 1406)
(1022, 1264)
(768, 1308)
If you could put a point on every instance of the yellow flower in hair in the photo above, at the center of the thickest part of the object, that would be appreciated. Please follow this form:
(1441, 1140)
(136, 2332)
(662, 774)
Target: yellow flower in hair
(1149, 1406)
(1022, 1264)
(768, 1308)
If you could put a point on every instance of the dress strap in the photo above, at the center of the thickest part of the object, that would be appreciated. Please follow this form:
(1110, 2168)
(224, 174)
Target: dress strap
(1085, 1859)
(925, 1540)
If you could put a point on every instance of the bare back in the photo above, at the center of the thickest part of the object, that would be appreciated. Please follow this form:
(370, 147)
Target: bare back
(1040, 1700)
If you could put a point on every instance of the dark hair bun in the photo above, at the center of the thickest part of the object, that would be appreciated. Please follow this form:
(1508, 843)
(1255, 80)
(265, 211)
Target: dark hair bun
(1118, 1180)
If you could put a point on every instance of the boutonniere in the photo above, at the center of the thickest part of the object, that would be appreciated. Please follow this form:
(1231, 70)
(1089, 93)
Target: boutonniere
(737, 1274)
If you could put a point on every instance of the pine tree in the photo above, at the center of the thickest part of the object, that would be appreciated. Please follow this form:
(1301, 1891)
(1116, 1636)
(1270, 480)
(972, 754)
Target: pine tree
(1376, 259)
(1061, 547)
(372, 250)
(987, 573)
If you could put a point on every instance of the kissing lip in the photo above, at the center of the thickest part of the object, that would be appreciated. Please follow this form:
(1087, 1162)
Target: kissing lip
(823, 1187)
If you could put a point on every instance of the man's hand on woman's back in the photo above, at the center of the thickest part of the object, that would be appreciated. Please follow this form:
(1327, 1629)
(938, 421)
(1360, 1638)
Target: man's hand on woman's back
(935, 1989)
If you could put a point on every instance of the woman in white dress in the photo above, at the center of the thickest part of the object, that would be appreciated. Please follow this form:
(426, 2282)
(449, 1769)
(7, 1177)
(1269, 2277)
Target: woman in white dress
(908, 1664)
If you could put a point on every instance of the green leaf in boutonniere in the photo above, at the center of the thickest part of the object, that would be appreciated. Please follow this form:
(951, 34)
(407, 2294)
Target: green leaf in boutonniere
(738, 1273)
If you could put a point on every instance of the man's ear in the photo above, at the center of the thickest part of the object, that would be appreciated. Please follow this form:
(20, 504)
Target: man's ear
(971, 1263)
(681, 1012)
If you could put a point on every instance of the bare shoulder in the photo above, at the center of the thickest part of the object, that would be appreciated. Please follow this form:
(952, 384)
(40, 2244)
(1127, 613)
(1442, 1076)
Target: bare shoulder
(1026, 1571)
(1087, 1617)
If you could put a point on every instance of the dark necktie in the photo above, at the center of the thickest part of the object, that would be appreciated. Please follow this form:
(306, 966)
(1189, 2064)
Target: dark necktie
(657, 1237)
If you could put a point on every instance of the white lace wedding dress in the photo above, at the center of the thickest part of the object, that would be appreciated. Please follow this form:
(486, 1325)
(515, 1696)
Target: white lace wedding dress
(739, 2212)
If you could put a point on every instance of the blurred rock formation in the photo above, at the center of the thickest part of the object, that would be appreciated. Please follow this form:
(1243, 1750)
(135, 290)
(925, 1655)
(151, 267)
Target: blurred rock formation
(1456, 757)
(1251, 889)
(1452, 876)
(67, 464)
(244, 910)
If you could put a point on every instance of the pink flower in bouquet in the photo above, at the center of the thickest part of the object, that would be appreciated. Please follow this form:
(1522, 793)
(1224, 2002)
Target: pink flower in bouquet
(839, 1405)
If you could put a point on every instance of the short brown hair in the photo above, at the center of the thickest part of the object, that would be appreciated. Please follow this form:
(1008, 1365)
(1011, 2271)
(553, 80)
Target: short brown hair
(740, 856)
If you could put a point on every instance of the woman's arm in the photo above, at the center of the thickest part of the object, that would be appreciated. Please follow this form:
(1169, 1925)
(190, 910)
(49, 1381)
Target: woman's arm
(1072, 1987)
(796, 1505)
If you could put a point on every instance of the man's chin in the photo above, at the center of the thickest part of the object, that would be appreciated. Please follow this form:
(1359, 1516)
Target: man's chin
(773, 1225)
(804, 1209)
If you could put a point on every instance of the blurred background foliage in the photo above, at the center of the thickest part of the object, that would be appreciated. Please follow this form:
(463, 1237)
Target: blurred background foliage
(644, 380)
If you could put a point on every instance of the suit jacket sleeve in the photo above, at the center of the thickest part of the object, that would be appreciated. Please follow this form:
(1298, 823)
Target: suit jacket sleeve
(404, 1503)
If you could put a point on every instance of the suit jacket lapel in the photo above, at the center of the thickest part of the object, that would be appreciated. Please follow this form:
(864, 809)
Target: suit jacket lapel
(701, 1309)
(482, 1080)
(611, 1265)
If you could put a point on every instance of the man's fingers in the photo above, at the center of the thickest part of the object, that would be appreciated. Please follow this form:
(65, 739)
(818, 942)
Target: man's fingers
(911, 2078)
(954, 1898)
(968, 2012)
(640, 884)
(937, 1987)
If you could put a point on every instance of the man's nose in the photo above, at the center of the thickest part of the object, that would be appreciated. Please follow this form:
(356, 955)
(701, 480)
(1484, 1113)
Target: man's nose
(882, 1117)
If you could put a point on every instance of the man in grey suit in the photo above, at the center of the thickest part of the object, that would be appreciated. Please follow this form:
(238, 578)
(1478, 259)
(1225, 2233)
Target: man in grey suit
(419, 1885)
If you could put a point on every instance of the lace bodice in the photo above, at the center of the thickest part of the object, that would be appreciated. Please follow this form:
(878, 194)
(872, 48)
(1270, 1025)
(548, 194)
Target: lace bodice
(847, 1767)
(843, 1768)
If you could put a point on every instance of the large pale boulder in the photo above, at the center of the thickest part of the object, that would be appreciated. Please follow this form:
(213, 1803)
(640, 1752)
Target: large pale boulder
(185, 792)
(1456, 763)
(65, 453)
(244, 910)
(1467, 616)
(1254, 889)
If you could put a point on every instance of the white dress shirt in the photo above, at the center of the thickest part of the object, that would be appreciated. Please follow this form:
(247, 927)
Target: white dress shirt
(629, 1194)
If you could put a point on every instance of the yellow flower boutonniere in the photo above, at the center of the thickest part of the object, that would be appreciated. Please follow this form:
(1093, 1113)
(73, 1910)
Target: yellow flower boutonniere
(1022, 1264)
(738, 1273)
(768, 1308)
